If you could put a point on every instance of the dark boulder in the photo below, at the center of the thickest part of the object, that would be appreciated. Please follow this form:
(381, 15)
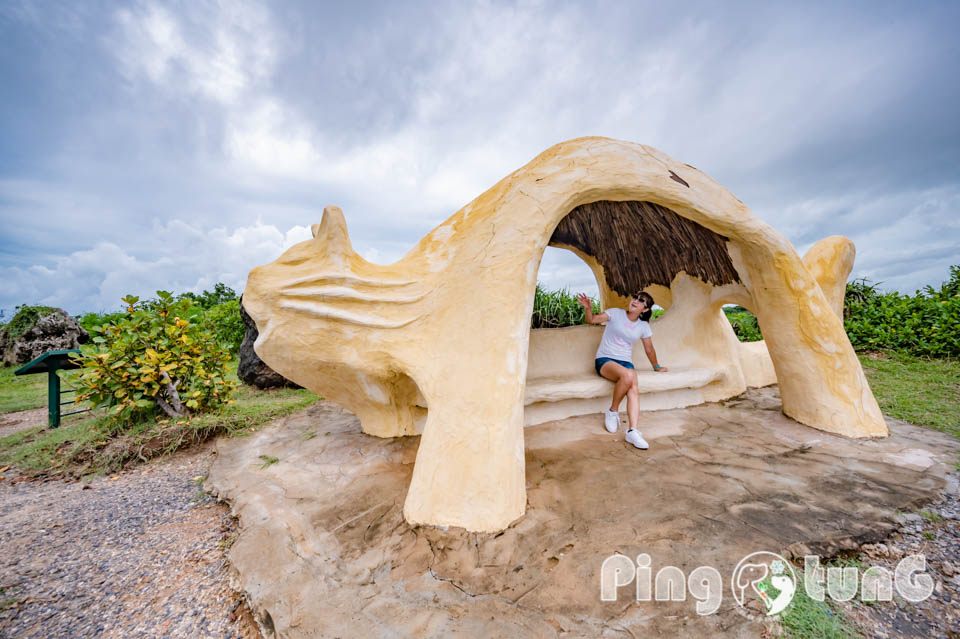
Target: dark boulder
(55, 330)
(251, 369)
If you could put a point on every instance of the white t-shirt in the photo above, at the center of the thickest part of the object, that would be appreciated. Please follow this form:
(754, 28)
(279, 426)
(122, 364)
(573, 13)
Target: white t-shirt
(620, 334)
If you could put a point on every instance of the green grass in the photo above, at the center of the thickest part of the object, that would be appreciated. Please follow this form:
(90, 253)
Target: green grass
(43, 449)
(921, 391)
(87, 444)
(845, 562)
(555, 309)
(268, 460)
(23, 392)
(926, 514)
(806, 618)
(7, 602)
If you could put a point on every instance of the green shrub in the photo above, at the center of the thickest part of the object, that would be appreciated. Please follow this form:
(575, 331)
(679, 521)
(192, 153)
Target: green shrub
(157, 357)
(208, 299)
(24, 319)
(924, 324)
(744, 323)
(227, 324)
(88, 321)
(219, 307)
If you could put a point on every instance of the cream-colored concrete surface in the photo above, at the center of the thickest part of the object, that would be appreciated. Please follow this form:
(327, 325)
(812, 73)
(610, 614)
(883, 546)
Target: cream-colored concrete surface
(756, 364)
(830, 261)
(553, 389)
(451, 321)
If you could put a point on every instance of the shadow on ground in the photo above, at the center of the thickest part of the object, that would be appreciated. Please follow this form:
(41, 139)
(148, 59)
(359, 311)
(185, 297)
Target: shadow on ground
(324, 549)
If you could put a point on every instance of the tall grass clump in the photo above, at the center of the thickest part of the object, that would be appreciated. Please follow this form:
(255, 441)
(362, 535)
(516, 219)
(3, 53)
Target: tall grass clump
(553, 309)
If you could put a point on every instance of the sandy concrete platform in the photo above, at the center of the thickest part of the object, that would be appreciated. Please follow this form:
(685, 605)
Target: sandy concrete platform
(324, 550)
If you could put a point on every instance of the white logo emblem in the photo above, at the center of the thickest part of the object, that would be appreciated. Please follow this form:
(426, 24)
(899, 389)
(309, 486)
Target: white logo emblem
(767, 577)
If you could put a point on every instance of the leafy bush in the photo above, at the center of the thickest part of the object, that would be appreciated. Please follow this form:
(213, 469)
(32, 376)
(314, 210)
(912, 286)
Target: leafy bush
(744, 323)
(88, 321)
(227, 324)
(220, 294)
(219, 309)
(158, 356)
(926, 324)
(24, 319)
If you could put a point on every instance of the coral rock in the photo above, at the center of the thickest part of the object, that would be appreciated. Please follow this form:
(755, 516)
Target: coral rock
(54, 331)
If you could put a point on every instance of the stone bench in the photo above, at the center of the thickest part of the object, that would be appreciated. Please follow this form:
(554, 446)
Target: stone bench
(590, 385)
(562, 382)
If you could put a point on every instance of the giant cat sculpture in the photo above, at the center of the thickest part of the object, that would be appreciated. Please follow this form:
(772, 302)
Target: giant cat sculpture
(448, 325)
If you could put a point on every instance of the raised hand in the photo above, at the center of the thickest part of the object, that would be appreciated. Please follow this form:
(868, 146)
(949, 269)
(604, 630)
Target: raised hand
(584, 301)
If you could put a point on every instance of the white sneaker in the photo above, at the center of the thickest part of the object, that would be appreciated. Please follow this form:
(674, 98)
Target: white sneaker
(635, 438)
(611, 420)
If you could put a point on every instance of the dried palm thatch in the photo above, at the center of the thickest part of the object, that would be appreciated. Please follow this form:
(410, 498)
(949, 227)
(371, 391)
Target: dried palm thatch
(642, 243)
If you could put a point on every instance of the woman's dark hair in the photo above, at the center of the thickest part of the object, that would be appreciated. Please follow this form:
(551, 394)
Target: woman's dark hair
(648, 298)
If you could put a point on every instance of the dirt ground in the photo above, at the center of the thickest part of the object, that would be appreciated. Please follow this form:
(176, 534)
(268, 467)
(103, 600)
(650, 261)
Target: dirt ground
(137, 554)
(20, 420)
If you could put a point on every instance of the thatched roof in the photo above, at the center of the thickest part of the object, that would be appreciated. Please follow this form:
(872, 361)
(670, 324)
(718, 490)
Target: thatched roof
(642, 243)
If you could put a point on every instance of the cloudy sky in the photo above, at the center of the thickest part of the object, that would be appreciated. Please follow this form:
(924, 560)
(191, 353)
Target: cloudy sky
(148, 145)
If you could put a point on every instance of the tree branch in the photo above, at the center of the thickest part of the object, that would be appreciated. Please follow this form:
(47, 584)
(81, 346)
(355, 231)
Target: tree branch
(173, 394)
(162, 403)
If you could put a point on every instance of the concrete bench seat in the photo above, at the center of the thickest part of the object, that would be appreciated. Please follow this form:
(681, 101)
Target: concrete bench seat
(588, 386)
(561, 380)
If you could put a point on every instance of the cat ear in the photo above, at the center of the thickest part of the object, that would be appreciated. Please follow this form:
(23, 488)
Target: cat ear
(331, 232)
(830, 261)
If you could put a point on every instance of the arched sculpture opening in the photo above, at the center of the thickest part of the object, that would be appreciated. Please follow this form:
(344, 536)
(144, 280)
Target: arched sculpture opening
(440, 343)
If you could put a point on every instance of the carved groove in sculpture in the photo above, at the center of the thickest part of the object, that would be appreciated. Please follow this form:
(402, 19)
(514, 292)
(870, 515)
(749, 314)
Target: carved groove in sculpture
(440, 341)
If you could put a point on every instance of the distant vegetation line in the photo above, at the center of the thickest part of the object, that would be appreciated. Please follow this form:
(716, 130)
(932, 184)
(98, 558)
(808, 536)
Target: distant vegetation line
(924, 324)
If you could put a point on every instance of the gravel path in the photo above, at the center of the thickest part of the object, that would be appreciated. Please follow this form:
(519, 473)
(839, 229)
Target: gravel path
(20, 420)
(140, 554)
(935, 534)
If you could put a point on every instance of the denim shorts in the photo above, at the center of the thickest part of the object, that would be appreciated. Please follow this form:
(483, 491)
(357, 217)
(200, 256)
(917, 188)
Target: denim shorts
(600, 361)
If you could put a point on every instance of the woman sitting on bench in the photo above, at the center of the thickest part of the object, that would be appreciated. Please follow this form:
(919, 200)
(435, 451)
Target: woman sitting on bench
(615, 357)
